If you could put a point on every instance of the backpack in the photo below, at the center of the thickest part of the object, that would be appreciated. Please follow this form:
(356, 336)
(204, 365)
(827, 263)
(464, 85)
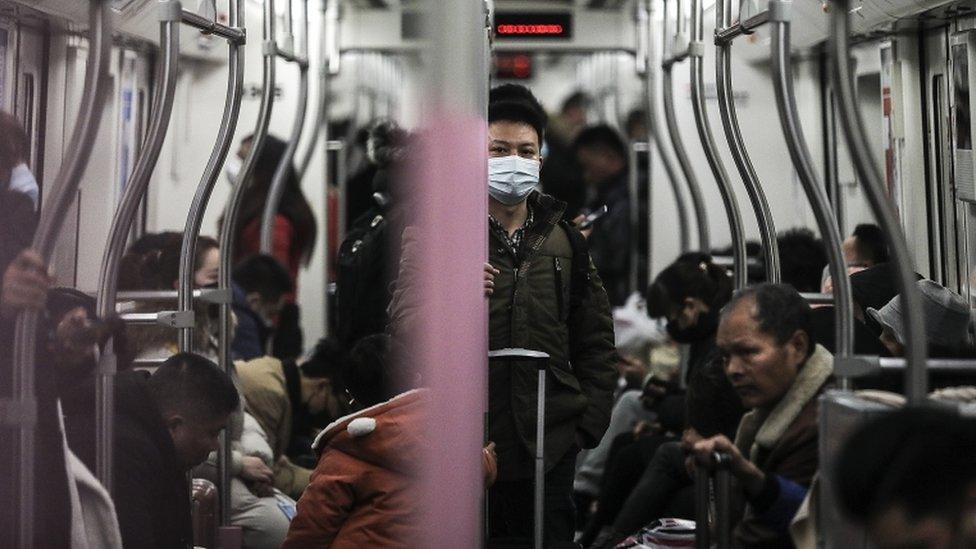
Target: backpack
(362, 281)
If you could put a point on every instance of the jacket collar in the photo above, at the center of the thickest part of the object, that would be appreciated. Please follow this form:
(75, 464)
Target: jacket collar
(342, 422)
(762, 429)
(547, 212)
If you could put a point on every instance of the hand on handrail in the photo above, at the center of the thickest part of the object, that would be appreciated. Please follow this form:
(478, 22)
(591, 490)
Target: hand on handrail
(25, 285)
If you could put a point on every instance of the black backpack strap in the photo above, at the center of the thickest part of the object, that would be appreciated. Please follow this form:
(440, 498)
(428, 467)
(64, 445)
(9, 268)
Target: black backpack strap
(580, 282)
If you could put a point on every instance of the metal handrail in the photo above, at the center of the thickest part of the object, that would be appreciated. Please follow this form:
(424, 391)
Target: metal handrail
(656, 136)
(740, 274)
(231, 33)
(815, 191)
(737, 146)
(864, 365)
(64, 191)
(228, 125)
(169, 30)
(320, 126)
(278, 181)
(680, 152)
(726, 32)
(636, 147)
(916, 383)
(228, 233)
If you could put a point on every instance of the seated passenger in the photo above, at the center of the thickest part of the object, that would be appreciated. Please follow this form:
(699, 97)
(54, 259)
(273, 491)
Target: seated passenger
(909, 477)
(865, 247)
(802, 257)
(779, 372)
(261, 285)
(947, 318)
(165, 424)
(279, 392)
(364, 489)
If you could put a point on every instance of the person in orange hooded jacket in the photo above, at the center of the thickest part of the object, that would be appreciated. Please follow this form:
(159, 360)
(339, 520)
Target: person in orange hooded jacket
(363, 492)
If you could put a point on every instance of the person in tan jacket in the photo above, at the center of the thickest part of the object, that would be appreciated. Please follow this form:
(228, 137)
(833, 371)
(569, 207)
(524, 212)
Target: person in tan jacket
(281, 395)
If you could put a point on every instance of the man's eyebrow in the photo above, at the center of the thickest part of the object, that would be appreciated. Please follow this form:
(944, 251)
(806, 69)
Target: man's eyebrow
(500, 142)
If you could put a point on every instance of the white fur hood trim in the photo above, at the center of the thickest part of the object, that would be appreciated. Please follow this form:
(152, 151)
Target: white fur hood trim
(365, 413)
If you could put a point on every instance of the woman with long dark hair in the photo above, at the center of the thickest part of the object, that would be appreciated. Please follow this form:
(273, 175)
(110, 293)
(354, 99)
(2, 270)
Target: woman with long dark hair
(294, 227)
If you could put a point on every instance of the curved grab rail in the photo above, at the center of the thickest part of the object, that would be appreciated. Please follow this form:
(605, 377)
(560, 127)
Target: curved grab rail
(169, 39)
(916, 382)
(816, 193)
(228, 229)
(64, 191)
(680, 152)
(321, 104)
(656, 136)
(696, 54)
(194, 218)
(278, 181)
(737, 146)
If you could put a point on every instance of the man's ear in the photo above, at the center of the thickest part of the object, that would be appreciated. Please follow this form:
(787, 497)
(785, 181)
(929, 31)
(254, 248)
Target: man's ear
(253, 300)
(800, 343)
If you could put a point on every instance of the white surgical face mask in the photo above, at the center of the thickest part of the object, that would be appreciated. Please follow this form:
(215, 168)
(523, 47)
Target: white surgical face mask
(22, 181)
(232, 168)
(512, 178)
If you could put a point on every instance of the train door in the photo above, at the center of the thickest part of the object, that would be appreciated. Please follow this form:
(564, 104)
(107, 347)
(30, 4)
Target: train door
(943, 243)
(30, 87)
(959, 197)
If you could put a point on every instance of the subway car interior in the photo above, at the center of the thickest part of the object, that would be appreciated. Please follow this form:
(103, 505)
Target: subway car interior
(718, 290)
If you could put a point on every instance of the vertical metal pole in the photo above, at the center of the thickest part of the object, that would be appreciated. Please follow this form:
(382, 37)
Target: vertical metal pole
(540, 460)
(228, 232)
(63, 192)
(916, 381)
(635, 148)
(723, 503)
(321, 107)
(170, 15)
(194, 218)
(696, 52)
(702, 498)
(737, 146)
(800, 154)
(342, 186)
(285, 165)
(657, 137)
(680, 152)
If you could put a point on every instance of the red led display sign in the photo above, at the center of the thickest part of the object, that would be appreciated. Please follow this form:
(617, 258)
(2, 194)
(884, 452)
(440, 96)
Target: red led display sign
(533, 26)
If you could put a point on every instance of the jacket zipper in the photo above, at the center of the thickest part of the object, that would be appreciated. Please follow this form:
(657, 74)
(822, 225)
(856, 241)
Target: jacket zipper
(559, 286)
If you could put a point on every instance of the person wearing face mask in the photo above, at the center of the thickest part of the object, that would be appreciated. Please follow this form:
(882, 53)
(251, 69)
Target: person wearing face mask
(690, 293)
(545, 295)
(261, 285)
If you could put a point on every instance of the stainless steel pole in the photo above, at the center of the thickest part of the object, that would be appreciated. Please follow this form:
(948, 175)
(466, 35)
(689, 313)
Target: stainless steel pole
(680, 152)
(656, 136)
(696, 52)
(321, 106)
(285, 165)
(170, 15)
(228, 231)
(916, 381)
(228, 125)
(22, 408)
(737, 146)
(816, 193)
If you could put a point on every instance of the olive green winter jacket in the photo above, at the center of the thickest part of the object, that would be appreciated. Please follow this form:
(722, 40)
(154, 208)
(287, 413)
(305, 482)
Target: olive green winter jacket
(531, 309)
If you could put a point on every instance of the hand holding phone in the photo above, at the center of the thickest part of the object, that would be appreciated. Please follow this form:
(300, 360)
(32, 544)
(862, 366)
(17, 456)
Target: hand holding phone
(592, 218)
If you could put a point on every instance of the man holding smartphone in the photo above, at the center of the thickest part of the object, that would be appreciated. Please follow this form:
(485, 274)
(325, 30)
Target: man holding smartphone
(545, 295)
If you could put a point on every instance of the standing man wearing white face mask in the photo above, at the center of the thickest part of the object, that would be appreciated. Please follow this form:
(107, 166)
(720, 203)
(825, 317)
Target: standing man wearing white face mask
(545, 295)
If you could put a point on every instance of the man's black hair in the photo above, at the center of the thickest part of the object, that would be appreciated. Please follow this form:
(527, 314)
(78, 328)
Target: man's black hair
(367, 372)
(576, 100)
(515, 103)
(326, 360)
(263, 274)
(921, 459)
(780, 311)
(870, 243)
(193, 386)
(802, 258)
(634, 118)
(712, 407)
(602, 136)
(691, 275)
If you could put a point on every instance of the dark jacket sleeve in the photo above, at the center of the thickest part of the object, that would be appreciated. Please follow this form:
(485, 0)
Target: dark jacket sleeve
(591, 355)
(137, 470)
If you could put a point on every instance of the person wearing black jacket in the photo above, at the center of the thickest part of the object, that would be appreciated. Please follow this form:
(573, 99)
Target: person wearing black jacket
(165, 424)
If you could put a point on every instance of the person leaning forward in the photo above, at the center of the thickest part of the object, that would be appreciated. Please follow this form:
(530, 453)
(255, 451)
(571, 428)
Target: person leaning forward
(536, 304)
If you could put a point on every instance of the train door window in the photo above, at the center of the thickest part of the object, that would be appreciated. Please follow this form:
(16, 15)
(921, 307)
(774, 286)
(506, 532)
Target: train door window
(6, 66)
(25, 109)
